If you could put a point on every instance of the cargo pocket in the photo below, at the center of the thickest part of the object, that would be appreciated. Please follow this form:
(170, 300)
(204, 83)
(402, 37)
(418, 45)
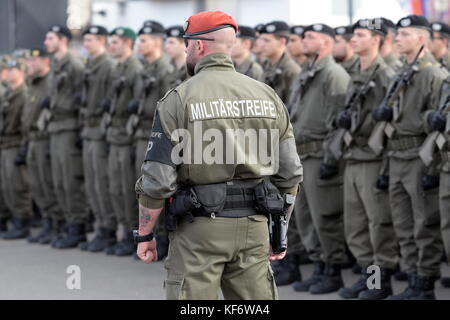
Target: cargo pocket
(272, 287)
(174, 286)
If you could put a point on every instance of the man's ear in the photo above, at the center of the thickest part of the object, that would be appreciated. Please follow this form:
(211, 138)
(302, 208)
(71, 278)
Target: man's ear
(200, 46)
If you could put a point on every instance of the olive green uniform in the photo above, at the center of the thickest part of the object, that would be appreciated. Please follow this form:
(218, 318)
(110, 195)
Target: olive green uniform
(66, 158)
(4, 213)
(213, 253)
(393, 62)
(250, 68)
(39, 171)
(13, 179)
(281, 75)
(96, 85)
(312, 118)
(121, 159)
(445, 61)
(177, 76)
(415, 211)
(351, 65)
(367, 217)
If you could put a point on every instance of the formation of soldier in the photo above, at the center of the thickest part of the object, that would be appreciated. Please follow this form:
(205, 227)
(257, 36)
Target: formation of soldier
(369, 106)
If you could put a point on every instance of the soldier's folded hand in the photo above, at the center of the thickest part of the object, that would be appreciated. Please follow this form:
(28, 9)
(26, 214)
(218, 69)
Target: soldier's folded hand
(45, 103)
(327, 171)
(343, 120)
(383, 113)
(147, 252)
(436, 121)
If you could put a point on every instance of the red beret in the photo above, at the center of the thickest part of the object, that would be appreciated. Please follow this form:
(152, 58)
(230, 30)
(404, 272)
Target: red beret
(208, 21)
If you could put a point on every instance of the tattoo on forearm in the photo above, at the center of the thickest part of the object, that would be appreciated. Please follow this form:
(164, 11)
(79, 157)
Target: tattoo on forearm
(144, 218)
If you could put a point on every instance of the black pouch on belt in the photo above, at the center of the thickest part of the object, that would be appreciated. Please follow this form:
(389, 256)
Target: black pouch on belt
(211, 197)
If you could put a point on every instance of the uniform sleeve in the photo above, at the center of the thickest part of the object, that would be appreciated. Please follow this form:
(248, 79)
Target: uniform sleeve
(438, 86)
(159, 172)
(290, 170)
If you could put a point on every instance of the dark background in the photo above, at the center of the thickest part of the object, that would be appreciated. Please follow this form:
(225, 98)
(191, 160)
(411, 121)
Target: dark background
(23, 23)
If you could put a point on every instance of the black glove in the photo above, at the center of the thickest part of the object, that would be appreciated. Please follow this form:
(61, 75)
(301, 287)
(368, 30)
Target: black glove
(45, 103)
(106, 105)
(79, 143)
(430, 182)
(343, 120)
(383, 113)
(78, 98)
(383, 183)
(437, 122)
(327, 171)
(133, 106)
(21, 158)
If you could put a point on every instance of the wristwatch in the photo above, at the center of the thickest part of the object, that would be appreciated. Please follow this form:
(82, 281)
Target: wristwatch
(140, 239)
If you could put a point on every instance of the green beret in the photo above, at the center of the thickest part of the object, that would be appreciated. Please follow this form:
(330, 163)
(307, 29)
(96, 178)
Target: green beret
(124, 32)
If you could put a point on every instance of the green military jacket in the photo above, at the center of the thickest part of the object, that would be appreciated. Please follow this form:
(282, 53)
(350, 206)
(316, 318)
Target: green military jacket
(445, 110)
(359, 149)
(393, 62)
(323, 97)
(96, 86)
(280, 75)
(250, 68)
(352, 65)
(37, 91)
(415, 104)
(125, 87)
(10, 121)
(205, 113)
(65, 85)
(178, 75)
(445, 61)
(154, 84)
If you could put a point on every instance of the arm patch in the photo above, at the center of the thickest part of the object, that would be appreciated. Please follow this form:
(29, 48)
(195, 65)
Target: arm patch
(159, 147)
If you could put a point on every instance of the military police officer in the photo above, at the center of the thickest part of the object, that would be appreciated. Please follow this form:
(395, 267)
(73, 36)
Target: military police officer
(225, 242)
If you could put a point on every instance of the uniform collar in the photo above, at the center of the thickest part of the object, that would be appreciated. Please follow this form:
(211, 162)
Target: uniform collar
(351, 62)
(60, 63)
(93, 62)
(324, 62)
(245, 65)
(217, 61)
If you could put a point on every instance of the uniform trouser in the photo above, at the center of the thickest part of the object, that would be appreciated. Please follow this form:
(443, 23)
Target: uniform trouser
(295, 245)
(367, 217)
(305, 226)
(227, 253)
(121, 176)
(141, 151)
(444, 202)
(14, 187)
(325, 200)
(416, 219)
(39, 177)
(68, 179)
(95, 164)
(4, 211)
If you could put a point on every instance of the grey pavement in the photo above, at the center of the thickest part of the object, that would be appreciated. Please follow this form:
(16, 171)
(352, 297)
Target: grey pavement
(39, 272)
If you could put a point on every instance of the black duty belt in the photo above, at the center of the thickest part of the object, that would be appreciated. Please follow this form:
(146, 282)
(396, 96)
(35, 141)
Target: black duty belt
(406, 143)
(310, 147)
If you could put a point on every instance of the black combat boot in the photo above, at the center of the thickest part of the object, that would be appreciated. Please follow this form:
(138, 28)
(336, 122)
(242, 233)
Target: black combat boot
(3, 225)
(384, 291)
(410, 291)
(75, 235)
(84, 246)
(288, 271)
(126, 246)
(303, 286)
(20, 229)
(331, 281)
(54, 234)
(105, 240)
(162, 246)
(46, 229)
(353, 292)
(425, 288)
(445, 282)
